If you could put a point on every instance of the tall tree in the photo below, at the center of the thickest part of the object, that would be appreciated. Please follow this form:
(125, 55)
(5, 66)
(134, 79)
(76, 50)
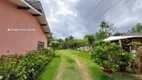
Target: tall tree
(105, 31)
(107, 27)
(55, 45)
(136, 28)
(118, 34)
(60, 40)
(90, 39)
(100, 35)
(71, 37)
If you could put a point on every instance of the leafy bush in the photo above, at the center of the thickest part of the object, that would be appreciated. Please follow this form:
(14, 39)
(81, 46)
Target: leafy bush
(110, 55)
(19, 67)
(54, 45)
(124, 60)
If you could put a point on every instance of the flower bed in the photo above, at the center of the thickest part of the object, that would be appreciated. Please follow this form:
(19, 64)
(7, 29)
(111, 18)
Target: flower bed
(19, 67)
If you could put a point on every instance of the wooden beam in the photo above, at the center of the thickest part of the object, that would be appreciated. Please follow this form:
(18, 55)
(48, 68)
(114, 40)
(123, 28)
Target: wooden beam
(23, 8)
(36, 15)
(43, 24)
(120, 42)
(39, 10)
(47, 33)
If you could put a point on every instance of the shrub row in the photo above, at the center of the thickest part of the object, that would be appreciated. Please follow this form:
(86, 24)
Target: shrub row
(111, 56)
(19, 67)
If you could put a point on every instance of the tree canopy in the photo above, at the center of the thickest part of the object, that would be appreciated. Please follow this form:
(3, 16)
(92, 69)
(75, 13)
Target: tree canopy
(136, 28)
(106, 29)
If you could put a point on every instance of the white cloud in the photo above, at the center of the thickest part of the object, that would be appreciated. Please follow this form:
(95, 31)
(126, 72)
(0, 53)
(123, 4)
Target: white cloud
(66, 11)
(78, 35)
(52, 20)
(74, 1)
(60, 3)
(66, 17)
(46, 1)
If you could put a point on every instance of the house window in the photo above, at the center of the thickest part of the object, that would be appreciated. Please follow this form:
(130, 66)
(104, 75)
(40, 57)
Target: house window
(40, 45)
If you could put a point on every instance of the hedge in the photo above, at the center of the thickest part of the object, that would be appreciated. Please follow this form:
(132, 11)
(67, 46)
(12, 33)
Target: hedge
(20, 67)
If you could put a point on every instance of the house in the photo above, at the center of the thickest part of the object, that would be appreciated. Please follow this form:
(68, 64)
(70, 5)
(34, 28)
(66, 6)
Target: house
(126, 40)
(23, 27)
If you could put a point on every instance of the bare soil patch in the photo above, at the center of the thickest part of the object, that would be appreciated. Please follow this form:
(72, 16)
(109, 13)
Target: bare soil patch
(61, 71)
(83, 69)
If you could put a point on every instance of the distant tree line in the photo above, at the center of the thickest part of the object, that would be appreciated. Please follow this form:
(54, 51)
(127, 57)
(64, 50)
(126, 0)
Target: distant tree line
(106, 29)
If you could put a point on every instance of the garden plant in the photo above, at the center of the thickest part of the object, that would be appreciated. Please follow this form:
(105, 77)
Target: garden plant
(20, 67)
(111, 56)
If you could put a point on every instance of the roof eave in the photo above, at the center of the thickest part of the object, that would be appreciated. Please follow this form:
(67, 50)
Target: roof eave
(24, 3)
(32, 10)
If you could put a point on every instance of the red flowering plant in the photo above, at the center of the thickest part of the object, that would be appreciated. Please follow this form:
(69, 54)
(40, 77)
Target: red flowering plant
(13, 67)
(16, 60)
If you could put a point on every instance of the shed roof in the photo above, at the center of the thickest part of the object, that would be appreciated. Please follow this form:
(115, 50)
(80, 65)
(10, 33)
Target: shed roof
(114, 38)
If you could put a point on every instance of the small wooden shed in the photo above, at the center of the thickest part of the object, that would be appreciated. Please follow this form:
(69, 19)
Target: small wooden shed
(124, 41)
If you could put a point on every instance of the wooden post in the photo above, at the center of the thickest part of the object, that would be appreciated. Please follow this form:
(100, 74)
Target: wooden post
(130, 48)
(120, 42)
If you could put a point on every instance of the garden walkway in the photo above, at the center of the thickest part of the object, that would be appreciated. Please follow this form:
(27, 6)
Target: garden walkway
(76, 68)
(77, 65)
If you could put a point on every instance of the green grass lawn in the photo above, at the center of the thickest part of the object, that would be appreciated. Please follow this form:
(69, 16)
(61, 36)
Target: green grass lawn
(93, 68)
(71, 71)
(50, 71)
(120, 76)
(95, 71)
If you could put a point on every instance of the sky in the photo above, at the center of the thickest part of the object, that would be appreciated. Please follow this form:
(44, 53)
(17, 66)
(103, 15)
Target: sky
(81, 17)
